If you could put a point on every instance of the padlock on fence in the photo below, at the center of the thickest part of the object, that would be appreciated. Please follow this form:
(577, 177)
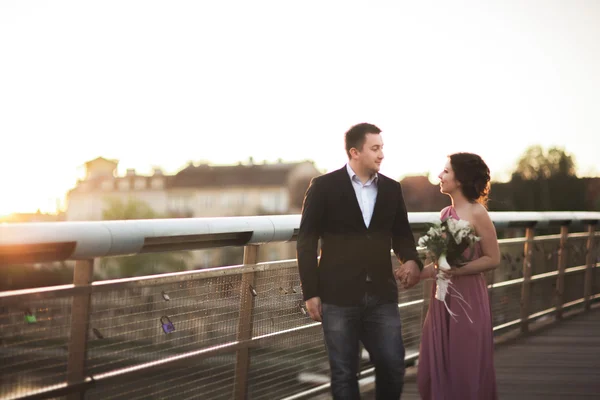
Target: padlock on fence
(29, 317)
(97, 333)
(167, 325)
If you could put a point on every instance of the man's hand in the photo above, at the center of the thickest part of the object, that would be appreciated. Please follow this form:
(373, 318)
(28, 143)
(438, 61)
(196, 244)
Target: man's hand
(313, 306)
(408, 274)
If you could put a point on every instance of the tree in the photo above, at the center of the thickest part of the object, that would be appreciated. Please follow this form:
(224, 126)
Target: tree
(537, 164)
(142, 264)
(546, 181)
(25, 276)
(117, 209)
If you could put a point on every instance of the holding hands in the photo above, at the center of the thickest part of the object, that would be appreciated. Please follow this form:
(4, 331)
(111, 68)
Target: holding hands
(408, 274)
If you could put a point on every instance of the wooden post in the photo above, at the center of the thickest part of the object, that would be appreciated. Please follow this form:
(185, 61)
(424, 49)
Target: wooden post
(525, 289)
(562, 263)
(590, 262)
(244, 331)
(83, 275)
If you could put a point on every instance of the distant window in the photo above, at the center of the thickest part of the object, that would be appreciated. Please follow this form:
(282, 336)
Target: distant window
(108, 185)
(206, 201)
(230, 200)
(157, 183)
(180, 203)
(234, 199)
(269, 201)
(176, 203)
(140, 183)
(282, 202)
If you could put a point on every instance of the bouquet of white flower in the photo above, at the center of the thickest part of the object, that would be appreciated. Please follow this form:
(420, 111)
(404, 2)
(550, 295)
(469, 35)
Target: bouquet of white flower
(446, 242)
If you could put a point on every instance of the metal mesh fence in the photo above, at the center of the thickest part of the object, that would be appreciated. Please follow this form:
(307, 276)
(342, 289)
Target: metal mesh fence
(544, 257)
(542, 295)
(136, 321)
(34, 340)
(544, 260)
(505, 304)
(576, 249)
(596, 283)
(574, 286)
(284, 365)
(511, 260)
(133, 325)
(411, 313)
(278, 303)
(505, 300)
(210, 378)
(596, 257)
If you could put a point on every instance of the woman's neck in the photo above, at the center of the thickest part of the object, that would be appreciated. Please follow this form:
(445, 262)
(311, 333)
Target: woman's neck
(459, 200)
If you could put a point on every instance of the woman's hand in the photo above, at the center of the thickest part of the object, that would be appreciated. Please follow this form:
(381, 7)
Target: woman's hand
(439, 271)
(449, 273)
(454, 271)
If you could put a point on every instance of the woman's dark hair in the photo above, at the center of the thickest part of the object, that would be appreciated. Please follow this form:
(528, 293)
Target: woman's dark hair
(473, 174)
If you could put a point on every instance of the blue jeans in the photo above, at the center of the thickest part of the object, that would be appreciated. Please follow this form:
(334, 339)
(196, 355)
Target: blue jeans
(377, 325)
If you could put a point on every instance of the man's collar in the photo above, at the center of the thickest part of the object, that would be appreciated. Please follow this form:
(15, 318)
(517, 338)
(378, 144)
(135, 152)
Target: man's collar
(352, 174)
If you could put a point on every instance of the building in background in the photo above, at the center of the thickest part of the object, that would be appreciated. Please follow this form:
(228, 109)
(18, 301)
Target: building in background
(195, 191)
(203, 190)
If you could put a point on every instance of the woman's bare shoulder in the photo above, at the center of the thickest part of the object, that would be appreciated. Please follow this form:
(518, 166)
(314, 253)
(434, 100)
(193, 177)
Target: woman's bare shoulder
(480, 217)
(478, 210)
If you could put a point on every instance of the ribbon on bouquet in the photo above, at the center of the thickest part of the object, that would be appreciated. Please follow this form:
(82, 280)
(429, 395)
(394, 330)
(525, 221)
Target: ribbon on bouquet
(444, 287)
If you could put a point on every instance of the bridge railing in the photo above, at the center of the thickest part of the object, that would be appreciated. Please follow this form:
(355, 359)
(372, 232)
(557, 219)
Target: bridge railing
(239, 331)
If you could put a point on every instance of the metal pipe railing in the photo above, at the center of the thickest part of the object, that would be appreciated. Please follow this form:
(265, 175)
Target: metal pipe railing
(59, 241)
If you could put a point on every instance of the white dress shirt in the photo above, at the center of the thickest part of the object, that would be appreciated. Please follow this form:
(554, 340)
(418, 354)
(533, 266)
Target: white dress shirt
(366, 194)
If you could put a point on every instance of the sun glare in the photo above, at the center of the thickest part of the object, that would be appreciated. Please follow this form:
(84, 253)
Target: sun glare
(6, 208)
(24, 203)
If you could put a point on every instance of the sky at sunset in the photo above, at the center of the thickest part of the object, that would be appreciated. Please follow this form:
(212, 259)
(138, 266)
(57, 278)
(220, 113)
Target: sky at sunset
(163, 83)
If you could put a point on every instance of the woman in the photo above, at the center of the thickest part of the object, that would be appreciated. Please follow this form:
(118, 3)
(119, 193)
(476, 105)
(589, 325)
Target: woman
(456, 356)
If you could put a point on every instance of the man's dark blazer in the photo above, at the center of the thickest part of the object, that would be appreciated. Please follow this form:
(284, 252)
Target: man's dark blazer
(350, 250)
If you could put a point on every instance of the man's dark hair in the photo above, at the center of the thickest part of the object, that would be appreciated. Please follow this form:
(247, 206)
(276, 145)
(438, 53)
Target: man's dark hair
(356, 136)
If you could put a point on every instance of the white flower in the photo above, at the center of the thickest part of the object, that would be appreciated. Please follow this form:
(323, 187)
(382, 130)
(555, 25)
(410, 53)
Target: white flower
(474, 238)
(460, 229)
(434, 231)
(451, 223)
(463, 225)
(459, 235)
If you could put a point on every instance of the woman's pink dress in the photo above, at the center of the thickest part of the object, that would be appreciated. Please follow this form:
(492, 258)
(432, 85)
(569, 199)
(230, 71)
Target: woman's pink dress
(456, 360)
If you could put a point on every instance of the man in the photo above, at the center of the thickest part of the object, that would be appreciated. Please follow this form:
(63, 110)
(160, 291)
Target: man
(359, 215)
